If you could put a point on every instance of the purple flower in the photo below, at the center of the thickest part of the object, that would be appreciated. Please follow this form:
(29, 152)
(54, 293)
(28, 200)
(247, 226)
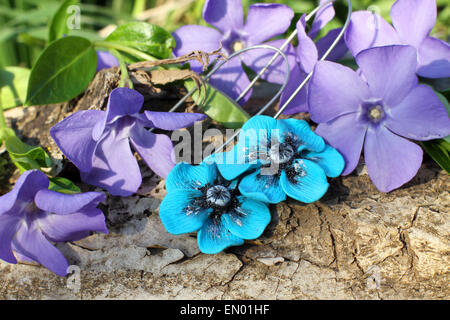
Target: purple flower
(31, 216)
(264, 21)
(106, 60)
(413, 21)
(380, 107)
(98, 142)
(308, 53)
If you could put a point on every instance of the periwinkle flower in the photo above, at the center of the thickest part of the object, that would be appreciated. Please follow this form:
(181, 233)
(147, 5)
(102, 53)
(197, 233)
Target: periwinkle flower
(412, 22)
(380, 107)
(264, 22)
(98, 142)
(106, 60)
(308, 53)
(32, 216)
(280, 158)
(199, 199)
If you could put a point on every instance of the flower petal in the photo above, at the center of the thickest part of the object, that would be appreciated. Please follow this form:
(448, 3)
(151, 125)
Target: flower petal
(225, 15)
(188, 177)
(214, 236)
(74, 226)
(391, 160)
(322, 17)
(309, 185)
(114, 167)
(301, 131)
(368, 30)
(9, 225)
(187, 41)
(172, 120)
(306, 50)
(390, 71)
(106, 60)
(257, 59)
(26, 187)
(178, 213)
(414, 19)
(335, 90)
(267, 20)
(249, 220)
(323, 44)
(330, 160)
(434, 59)
(232, 80)
(265, 188)
(73, 136)
(300, 102)
(229, 165)
(346, 134)
(155, 149)
(63, 203)
(420, 116)
(121, 102)
(30, 242)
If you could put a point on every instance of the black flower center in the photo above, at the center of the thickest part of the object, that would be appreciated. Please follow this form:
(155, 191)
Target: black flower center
(218, 195)
(281, 153)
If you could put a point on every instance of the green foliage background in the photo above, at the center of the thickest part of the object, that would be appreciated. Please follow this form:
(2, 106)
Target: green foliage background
(24, 23)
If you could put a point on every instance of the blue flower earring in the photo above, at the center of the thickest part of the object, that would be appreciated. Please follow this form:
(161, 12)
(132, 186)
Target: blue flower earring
(226, 198)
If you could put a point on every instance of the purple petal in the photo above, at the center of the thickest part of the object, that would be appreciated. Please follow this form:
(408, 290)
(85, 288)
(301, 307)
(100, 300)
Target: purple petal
(390, 71)
(324, 43)
(30, 242)
(346, 134)
(155, 149)
(74, 226)
(8, 228)
(114, 167)
(232, 80)
(323, 16)
(306, 50)
(300, 101)
(257, 59)
(171, 120)
(62, 203)
(414, 19)
(367, 30)
(267, 20)
(391, 160)
(73, 136)
(334, 90)
(187, 41)
(121, 102)
(106, 60)
(225, 15)
(26, 187)
(420, 116)
(434, 59)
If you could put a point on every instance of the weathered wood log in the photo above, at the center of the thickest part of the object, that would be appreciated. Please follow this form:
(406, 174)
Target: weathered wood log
(354, 243)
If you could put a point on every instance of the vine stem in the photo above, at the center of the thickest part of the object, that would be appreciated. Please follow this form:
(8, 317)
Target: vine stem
(134, 52)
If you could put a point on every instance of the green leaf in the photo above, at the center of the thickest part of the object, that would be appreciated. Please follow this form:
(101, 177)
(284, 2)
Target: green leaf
(439, 150)
(63, 185)
(58, 25)
(145, 37)
(26, 157)
(218, 106)
(63, 71)
(13, 85)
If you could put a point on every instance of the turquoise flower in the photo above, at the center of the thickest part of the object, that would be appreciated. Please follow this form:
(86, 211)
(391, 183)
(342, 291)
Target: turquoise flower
(281, 158)
(200, 199)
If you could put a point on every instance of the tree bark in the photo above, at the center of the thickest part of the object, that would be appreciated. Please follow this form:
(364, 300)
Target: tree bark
(355, 243)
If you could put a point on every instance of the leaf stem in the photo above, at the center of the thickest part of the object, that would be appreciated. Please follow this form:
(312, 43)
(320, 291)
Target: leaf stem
(125, 80)
(134, 52)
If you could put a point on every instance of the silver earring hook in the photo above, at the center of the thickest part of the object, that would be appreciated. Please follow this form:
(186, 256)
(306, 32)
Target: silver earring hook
(285, 44)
